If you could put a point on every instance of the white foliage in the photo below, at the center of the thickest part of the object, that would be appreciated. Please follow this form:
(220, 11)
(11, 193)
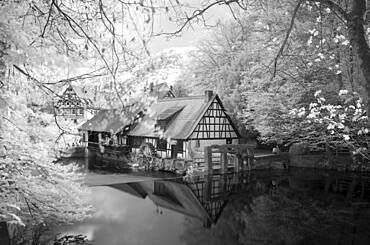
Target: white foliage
(33, 189)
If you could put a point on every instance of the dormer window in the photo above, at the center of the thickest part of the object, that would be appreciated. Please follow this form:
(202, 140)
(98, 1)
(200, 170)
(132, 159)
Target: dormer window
(161, 125)
(164, 118)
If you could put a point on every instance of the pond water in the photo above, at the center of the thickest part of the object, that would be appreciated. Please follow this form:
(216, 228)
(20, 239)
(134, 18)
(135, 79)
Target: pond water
(299, 206)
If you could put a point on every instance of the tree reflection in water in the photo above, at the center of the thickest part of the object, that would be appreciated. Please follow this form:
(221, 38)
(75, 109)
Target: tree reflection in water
(301, 207)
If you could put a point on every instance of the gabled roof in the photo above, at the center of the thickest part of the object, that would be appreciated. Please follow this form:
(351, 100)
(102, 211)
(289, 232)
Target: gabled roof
(180, 127)
(183, 124)
(82, 92)
(181, 114)
(106, 121)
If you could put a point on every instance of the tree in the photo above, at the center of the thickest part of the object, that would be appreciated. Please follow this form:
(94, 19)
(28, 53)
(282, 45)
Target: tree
(351, 13)
(111, 38)
(236, 63)
(45, 44)
(355, 21)
(35, 192)
(342, 125)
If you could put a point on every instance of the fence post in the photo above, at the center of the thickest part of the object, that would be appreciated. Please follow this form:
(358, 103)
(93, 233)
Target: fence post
(86, 142)
(208, 182)
(208, 160)
(100, 140)
(250, 152)
(239, 164)
(224, 161)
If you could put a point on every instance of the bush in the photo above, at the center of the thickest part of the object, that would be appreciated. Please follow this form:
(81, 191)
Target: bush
(299, 148)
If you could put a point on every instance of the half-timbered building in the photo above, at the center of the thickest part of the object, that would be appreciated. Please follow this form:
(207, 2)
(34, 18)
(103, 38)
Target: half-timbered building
(181, 127)
(75, 103)
(177, 128)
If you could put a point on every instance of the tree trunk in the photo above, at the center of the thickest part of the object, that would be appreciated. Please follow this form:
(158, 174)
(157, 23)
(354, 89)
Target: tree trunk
(3, 48)
(356, 31)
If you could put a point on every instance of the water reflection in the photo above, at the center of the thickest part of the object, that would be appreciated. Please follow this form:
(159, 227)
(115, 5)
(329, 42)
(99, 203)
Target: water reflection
(124, 219)
(260, 207)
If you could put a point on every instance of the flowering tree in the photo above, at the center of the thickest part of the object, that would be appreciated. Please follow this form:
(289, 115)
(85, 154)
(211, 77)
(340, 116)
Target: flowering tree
(343, 124)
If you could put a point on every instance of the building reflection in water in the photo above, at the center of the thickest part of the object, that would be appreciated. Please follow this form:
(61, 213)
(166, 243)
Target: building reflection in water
(204, 197)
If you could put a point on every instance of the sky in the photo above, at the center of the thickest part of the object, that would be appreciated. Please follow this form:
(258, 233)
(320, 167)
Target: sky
(189, 36)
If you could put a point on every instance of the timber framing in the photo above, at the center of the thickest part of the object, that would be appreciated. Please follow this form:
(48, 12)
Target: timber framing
(174, 127)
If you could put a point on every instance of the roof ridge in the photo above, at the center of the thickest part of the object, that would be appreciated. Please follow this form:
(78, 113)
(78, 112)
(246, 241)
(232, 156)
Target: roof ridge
(181, 98)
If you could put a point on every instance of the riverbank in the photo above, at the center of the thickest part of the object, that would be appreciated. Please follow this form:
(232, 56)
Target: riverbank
(105, 178)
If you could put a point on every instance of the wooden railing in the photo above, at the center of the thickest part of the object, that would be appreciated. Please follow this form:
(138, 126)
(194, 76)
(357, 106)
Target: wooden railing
(235, 155)
(108, 148)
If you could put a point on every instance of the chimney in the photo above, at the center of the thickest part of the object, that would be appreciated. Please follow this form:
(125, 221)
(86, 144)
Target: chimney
(208, 95)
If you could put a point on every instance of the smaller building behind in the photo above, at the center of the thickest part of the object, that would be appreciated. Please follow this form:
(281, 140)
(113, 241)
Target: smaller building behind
(75, 103)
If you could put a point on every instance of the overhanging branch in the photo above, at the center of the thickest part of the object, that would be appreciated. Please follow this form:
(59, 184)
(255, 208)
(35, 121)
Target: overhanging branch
(198, 13)
(286, 37)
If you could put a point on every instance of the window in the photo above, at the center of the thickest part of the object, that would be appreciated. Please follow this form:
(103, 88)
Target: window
(123, 140)
(115, 139)
(161, 124)
(197, 143)
(136, 141)
(229, 141)
(73, 111)
(81, 111)
(161, 144)
(179, 146)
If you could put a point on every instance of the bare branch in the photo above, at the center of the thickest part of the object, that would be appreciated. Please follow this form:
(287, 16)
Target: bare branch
(286, 37)
(72, 22)
(64, 131)
(47, 20)
(37, 82)
(15, 125)
(196, 14)
(84, 76)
